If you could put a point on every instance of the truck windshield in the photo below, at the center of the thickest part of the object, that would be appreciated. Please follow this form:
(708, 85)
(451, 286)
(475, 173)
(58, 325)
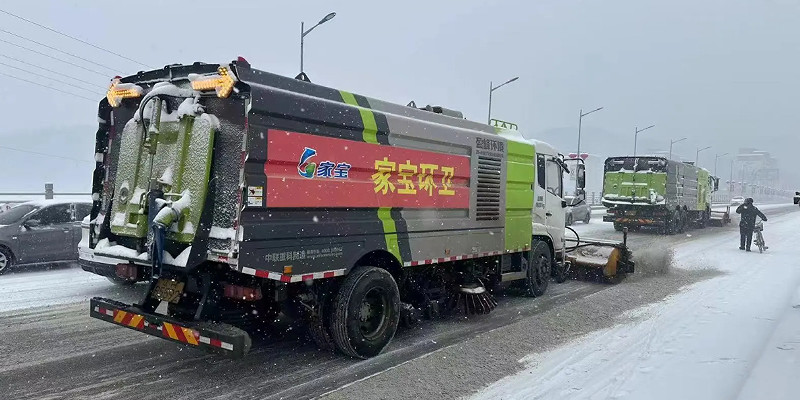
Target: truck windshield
(630, 164)
(15, 214)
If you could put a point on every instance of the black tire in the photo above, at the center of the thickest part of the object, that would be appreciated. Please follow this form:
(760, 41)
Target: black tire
(588, 217)
(320, 333)
(671, 223)
(119, 281)
(375, 289)
(538, 275)
(6, 260)
(559, 272)
(568, 220)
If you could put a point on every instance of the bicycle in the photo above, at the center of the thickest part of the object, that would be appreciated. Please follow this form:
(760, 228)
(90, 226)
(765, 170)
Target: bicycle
(759, 239)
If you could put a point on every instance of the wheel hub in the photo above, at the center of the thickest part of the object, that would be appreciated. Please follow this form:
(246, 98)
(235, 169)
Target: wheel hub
(372, 315)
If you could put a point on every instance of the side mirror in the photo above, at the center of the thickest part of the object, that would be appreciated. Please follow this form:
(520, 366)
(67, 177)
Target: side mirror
(32, 223)
(563, 204)
(581, 176)
(716, 184)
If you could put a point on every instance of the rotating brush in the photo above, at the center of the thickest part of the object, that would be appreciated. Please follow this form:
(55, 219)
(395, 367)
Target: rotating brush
(472, 299)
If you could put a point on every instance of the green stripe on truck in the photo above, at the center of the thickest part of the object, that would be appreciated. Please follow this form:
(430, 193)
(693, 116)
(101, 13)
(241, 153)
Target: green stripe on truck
(370, 135)
(519, 194)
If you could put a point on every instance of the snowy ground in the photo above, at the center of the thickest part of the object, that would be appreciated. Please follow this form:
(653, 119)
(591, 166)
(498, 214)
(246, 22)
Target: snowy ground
(734, 336)
(37, 287)
(50, 347)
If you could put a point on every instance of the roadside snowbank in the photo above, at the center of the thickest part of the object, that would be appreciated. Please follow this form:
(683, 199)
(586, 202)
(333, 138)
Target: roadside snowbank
(713, 340)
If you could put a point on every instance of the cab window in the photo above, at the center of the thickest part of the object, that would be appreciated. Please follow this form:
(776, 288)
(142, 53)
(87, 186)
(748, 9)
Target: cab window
(553, 178)
(540, 171)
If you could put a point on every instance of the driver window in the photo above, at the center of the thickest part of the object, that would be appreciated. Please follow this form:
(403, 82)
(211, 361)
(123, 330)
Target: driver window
(553, 178)
(53, 215)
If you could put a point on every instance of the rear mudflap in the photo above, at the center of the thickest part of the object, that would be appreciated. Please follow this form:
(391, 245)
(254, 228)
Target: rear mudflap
(213, 337)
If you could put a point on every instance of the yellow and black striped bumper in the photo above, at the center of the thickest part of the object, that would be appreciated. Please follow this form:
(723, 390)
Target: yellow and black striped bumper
(214, 337)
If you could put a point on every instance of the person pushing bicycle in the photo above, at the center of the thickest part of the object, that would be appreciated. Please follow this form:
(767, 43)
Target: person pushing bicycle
(747, 222)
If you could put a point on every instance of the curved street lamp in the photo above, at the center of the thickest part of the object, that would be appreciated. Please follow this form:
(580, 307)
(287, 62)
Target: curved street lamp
(304, 32)
(492, 89)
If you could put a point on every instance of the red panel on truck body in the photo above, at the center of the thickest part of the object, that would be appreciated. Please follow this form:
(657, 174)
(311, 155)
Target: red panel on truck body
(306, 170)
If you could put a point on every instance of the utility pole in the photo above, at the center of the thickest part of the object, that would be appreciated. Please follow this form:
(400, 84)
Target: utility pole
(671, 142)
(636, 137)
(580, 119)
(304, 32)
(492, 89)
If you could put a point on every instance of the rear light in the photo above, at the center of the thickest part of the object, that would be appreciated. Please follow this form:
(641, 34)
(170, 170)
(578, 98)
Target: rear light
(244, 293)
(222, 82)
(118, 91)
(128, 271)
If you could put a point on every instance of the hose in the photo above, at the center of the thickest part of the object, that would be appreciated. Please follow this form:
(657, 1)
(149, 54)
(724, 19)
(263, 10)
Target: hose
(577, 240)
(158, 248)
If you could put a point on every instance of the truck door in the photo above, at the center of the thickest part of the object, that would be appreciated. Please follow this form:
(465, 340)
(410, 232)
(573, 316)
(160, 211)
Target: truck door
(554, 201)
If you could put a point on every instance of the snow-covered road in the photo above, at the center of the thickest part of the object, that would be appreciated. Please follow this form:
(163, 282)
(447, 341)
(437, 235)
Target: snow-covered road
(734, 336)
(36, 287)
(45, 331)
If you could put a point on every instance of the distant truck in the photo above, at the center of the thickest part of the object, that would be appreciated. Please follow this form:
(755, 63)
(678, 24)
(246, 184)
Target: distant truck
(797, 198)
(654, 191)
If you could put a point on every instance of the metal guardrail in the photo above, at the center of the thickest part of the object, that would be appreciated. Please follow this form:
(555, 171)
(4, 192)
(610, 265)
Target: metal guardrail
(48, 194)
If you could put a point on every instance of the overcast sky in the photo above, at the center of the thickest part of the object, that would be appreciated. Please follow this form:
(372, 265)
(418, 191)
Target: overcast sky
(724, 73)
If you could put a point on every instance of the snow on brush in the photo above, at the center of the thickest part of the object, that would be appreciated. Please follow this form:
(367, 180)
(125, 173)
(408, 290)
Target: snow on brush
(735, 336)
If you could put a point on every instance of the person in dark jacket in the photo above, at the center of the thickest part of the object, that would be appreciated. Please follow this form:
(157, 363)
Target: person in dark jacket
(747, 222)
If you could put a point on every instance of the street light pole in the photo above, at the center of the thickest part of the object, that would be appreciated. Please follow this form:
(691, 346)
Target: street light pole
(636, 137)
(671, 142)
(492, 89)
(716, 157)
(697, 155)
(304, 32)
(580, 119)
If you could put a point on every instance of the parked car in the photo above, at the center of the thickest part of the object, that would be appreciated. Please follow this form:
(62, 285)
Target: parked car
(577, 210)
(41, 232)
(736, 201)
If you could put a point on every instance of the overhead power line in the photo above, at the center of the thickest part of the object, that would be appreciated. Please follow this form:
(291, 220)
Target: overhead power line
(58, 50)
(51, 78)
(49, 70)
(45, 154)
(54, 58)
(49, 87)
(74, 38)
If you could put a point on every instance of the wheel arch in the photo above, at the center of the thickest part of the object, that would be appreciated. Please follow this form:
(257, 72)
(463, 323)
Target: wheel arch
(547, 240)
(381, 259)
(10, 250)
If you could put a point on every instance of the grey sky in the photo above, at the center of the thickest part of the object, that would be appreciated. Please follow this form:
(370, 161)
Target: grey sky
(722, 72)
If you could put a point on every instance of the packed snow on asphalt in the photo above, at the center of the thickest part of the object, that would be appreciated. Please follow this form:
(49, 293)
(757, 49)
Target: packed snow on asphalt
(734, 336)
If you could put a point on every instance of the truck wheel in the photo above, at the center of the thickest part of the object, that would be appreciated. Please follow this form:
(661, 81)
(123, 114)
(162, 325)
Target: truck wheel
(366, 312)
(670, 224)
(6, 260)
(559, 272)
(318, 324)
(569, 220)
(538, 275)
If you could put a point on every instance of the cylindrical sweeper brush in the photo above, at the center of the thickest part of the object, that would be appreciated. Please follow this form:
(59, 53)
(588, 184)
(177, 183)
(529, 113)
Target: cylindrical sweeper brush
(471, 299)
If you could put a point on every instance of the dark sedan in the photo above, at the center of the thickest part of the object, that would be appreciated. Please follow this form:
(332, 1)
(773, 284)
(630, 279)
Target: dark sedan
(41, 232)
